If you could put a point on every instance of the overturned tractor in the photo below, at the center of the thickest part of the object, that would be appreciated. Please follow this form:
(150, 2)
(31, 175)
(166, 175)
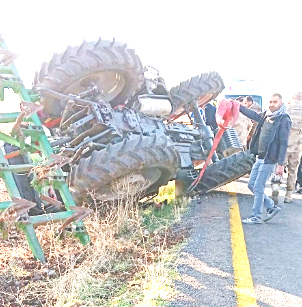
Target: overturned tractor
(115, 122)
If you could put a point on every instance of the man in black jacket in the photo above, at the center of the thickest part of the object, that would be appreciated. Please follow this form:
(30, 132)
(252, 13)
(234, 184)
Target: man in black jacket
(269, 143)
(209, 114)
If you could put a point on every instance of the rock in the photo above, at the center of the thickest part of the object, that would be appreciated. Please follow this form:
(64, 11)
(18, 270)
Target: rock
(52, 273)
(37, 276)
(49, 272)
(10, 298)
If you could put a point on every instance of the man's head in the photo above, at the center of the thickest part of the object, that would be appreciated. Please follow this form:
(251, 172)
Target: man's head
(275, 102)
(248, 101)
(240, 99)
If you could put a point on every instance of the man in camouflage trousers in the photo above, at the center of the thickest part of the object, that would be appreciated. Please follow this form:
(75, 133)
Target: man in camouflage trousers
(249, 103)
(294, 149)
(242, 125)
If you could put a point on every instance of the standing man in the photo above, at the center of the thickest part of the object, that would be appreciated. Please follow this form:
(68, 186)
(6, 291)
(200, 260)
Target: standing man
(242, 126)
(209, 114)
(269, 143)
(294, 150)
(250, 104)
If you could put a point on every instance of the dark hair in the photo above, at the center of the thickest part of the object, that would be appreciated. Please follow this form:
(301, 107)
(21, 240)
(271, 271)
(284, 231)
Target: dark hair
(240, 98)
(276, 94)
(249, 98)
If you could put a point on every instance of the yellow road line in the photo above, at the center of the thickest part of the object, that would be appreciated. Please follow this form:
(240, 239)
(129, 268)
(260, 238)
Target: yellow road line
(244, 287)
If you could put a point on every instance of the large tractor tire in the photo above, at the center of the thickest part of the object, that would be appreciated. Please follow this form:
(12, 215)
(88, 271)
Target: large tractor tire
(203, 88)
(111, 66)
(143, 162)
(222, 172)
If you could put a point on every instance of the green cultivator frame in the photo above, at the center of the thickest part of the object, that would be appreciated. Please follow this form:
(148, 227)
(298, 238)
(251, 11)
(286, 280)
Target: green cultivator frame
(9, 78)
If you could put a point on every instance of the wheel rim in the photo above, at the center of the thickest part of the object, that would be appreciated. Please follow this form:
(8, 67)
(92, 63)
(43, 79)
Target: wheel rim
(109, 82)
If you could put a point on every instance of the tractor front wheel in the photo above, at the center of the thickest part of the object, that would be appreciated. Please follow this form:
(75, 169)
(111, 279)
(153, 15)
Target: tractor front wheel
(220, 173)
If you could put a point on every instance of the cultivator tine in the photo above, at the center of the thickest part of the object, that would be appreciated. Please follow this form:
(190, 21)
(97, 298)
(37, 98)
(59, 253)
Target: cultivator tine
(20, 206)
(16, 127)
(30, 108)
(27, 110)
(79, 214)
(8, 57)
(52, 201)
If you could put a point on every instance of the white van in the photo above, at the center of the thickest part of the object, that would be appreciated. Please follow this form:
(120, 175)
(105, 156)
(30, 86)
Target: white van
(243, 87)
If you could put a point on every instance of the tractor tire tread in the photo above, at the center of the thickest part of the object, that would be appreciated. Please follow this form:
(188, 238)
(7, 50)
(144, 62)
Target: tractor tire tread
(106, 166)
(197, 87)
(225, 171)
(81, 61)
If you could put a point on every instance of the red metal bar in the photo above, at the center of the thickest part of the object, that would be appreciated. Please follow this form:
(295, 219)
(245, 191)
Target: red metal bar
(227, 110)
(13, 154)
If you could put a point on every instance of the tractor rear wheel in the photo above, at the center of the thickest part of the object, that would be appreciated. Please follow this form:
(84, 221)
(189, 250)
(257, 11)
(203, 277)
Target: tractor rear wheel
(115, 69)
(139, 165)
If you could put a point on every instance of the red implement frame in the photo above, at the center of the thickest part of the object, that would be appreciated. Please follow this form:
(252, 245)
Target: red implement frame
(226, 113)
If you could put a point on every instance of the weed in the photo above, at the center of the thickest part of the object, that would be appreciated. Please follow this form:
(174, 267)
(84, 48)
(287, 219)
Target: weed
(166, 193)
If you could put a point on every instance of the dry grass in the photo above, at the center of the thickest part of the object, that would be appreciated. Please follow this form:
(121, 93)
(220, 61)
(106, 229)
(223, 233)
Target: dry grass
(124, 266)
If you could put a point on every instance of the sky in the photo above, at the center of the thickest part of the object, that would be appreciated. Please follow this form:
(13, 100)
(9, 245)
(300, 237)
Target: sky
(259, 40)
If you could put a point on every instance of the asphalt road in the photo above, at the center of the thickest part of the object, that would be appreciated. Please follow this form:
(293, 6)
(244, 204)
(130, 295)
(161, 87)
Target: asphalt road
(274, 251)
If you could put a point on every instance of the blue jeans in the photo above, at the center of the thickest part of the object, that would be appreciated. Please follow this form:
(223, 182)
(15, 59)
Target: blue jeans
(259, 175)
